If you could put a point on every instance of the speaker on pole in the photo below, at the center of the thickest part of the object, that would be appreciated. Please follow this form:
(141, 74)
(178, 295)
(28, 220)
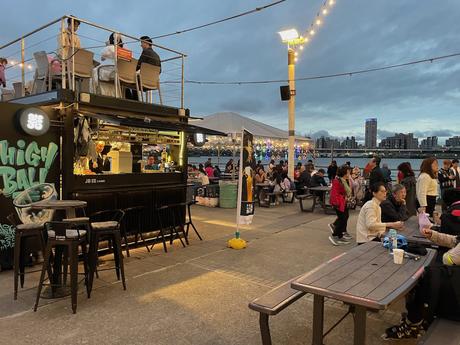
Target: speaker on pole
(285, 93)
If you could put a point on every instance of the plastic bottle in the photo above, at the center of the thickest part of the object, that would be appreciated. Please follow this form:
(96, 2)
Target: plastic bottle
(393, 235)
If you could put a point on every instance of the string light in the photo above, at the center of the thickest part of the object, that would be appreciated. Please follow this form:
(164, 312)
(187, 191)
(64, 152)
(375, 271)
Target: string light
(318, 21)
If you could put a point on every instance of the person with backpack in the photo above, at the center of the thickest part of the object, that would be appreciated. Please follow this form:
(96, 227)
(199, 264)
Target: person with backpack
(450, 218)
(437, 294)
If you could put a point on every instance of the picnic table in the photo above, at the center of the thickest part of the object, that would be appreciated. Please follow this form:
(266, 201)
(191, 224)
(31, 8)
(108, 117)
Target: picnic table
(412, 233)
(364, 277)
(324, 190)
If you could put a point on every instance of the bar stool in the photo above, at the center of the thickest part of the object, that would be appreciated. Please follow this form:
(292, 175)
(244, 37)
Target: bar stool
(189, 221)
(22, 232)
(132, 219)
(65, 238)
(106, 225)
(169, 213)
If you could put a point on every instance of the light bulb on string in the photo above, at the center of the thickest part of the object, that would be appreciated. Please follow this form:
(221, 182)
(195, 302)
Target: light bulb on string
(312, 32)
(331, 2)
(318, 21)
(301, 47)
(296, 54)
(324, 11)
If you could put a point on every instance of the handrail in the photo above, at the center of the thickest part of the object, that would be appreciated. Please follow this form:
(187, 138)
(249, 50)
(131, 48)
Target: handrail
(121, 33)
(88, 23)
(32, 32)
(68, 61)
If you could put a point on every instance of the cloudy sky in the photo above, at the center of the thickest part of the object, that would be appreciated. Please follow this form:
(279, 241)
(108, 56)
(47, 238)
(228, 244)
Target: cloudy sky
(357, 34)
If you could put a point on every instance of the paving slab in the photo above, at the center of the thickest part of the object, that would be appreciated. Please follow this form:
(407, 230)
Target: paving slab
(195, 295)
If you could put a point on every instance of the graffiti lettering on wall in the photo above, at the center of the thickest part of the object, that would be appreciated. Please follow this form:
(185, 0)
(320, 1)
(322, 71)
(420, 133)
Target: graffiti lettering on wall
(24, 166)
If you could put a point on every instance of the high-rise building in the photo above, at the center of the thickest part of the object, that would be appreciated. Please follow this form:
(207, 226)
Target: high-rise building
(453, 142)
(349, 143)
(370, 141)
(429, 143)
(327, 143)
(400, 141)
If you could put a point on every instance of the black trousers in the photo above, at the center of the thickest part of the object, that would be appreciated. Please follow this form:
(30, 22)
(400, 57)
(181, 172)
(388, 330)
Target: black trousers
(340, 224)
(431, 204)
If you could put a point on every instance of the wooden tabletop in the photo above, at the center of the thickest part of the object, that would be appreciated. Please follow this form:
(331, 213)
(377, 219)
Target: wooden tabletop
(365, 275)
(412, 233)
(58, 204)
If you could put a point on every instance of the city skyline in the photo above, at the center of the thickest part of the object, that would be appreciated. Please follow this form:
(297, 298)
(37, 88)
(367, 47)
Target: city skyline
(412, 98)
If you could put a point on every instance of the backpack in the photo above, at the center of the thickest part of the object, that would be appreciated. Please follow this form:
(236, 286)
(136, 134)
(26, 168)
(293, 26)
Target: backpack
(441, 286)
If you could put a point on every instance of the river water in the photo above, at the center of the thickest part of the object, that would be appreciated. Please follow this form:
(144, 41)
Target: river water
(324, 162)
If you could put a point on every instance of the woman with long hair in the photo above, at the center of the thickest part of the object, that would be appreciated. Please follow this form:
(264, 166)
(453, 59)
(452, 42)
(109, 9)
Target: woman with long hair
(427, 185)
(340, 192)
(407, 179)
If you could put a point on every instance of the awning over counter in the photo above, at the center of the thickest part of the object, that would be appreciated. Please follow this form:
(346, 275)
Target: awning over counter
(155, 124)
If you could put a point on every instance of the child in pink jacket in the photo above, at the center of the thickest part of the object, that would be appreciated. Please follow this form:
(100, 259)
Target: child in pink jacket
(3, 63)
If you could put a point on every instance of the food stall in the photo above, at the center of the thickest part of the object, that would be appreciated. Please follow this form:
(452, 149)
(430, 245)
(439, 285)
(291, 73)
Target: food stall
(112, 153)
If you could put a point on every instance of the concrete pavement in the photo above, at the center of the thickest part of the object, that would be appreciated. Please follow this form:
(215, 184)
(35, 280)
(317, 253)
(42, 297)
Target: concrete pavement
(198, 294)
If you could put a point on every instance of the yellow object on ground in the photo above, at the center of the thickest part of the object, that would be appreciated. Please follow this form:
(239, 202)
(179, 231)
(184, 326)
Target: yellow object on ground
(236, 243)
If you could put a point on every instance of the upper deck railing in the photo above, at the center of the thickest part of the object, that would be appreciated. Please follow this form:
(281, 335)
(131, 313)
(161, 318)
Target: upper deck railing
(26, 73)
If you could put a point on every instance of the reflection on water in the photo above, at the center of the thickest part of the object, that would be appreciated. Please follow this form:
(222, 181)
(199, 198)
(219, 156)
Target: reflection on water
(23, 201)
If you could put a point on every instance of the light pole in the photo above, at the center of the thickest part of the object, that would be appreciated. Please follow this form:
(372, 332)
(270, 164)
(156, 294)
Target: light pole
(293, 40)
(291, 37)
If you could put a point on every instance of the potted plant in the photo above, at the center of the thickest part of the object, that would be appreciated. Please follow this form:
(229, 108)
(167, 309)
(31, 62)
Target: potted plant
(6, 246)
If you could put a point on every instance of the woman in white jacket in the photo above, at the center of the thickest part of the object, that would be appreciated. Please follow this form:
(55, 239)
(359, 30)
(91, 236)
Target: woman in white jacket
(427, 185)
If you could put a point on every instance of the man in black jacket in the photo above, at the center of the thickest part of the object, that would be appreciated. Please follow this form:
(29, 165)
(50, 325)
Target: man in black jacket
(394, 208)
(450, 219)
(304, 180)
(148, 55)
(375, 176)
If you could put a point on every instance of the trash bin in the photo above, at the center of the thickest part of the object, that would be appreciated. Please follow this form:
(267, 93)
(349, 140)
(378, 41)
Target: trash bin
(228, 194)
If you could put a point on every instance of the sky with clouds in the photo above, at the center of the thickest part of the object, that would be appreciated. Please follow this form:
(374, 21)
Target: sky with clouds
(357, 34)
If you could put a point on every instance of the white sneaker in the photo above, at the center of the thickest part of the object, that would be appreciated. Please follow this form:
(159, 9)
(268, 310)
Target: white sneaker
(336, 241)
(347, 236)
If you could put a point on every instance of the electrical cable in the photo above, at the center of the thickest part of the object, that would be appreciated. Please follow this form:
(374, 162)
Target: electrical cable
(325, 76)
(257, 9)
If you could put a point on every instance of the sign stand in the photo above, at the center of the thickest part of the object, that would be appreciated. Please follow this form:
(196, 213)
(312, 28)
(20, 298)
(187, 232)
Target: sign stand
(244, 214)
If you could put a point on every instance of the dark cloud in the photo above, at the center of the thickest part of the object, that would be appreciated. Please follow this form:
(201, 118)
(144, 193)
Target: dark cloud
(357, 34)
(243, 105)
(381, 134)
(437, 132)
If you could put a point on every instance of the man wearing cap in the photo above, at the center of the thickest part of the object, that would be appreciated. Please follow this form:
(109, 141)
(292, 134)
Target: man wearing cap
(148, 54)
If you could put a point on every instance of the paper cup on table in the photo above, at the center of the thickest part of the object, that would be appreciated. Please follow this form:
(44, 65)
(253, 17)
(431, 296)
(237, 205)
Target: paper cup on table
(398, 256)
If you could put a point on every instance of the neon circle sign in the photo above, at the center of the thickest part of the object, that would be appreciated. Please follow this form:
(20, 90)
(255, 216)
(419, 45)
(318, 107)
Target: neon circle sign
(33, 121)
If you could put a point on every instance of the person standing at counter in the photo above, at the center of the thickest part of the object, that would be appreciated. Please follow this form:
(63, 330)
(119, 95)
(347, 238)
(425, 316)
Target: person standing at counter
(99, 165)
(152, 163)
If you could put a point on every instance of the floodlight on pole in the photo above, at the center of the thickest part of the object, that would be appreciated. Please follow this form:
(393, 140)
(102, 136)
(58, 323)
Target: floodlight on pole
(289, 35)
(295, 41)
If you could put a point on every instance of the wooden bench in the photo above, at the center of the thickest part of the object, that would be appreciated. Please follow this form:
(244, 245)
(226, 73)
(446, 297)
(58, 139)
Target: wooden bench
(307, 202)
(263, 194)
(442, 332)
(271, 304)
(286, 193)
